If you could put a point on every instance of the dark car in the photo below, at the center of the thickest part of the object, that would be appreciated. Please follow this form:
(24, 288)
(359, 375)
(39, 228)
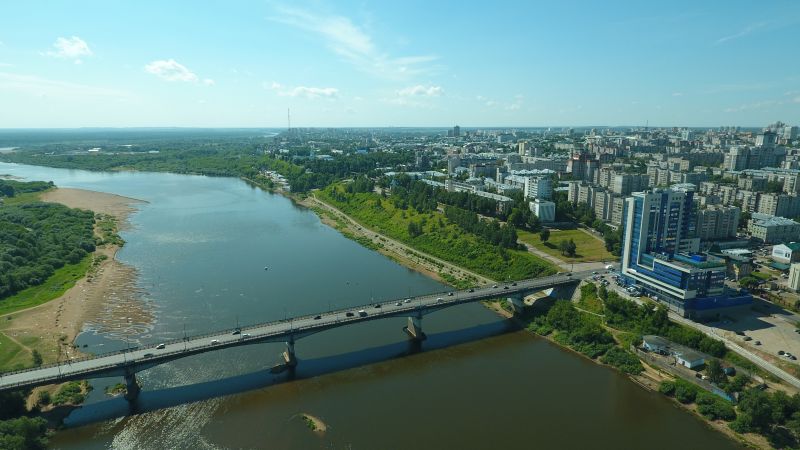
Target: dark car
(471, 290)
(317, 317)
(349, 314)
(148, 355)
(514, 283)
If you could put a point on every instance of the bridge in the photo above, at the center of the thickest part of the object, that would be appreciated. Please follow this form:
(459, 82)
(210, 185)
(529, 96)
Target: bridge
(128, 362)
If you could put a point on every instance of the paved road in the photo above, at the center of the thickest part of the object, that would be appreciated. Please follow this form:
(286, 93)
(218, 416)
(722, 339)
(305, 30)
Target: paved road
(711, 332)
(116, 364)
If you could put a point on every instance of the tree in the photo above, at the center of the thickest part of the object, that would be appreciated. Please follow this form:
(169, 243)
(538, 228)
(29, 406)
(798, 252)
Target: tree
(714, 371)
(756, 407)
(544, 235)
(23, 433)
(571, 248)
(562, 246)
(37, 358)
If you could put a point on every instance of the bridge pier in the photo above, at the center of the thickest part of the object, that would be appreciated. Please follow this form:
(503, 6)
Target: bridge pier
(414, 328)
(288, 356)
(517, 304)
(132, 387)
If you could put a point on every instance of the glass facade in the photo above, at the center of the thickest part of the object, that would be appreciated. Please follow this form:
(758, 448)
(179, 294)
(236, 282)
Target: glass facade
(654, 224)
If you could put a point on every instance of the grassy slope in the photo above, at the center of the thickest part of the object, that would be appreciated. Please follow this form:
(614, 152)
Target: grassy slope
(589, 248)
(441, 238)
(63, 279)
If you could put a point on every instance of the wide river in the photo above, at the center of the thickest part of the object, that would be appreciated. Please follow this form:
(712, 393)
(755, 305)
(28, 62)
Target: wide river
(201, 245)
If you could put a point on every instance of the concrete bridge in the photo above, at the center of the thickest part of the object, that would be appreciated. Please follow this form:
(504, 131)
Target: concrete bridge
(128, 362)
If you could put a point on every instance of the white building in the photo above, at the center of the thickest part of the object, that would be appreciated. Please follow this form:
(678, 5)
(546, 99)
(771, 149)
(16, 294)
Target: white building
(544, 210)
(539, 187)
(794, 277)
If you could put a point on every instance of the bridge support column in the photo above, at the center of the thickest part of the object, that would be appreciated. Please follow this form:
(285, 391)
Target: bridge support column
(288, 355)
(517, 304)
(132, 388)
(414, 328)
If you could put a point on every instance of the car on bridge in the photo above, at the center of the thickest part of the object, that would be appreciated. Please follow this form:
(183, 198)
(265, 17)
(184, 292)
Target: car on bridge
(214, 341)
(362, 313)
(161, 347)
(349, 314)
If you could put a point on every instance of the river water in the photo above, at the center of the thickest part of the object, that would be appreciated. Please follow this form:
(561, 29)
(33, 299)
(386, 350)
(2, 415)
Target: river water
(201, 245)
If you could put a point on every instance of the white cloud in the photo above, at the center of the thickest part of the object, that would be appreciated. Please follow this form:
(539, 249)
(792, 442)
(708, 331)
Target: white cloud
(171, 70)
(304, 91)
(747, 30)
(73, 48)
(756, 105)
(353, 44)
(421, 91)
(43, 87)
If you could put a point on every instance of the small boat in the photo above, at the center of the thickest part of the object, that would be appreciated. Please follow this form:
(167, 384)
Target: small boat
(266, 268)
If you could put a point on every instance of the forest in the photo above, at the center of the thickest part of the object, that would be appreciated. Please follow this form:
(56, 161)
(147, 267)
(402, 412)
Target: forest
(37, 238)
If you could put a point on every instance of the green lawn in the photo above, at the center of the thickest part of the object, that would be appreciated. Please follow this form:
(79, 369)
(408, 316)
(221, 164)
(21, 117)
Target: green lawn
(61, 280)
(589, 248)
(439, 238)
(763, 276)
(12, 356)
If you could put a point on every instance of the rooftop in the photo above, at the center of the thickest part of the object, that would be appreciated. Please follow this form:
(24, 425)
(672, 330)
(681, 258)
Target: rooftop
(766, 220)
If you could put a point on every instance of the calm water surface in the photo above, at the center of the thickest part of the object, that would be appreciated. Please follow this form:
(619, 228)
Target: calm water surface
(201, 244)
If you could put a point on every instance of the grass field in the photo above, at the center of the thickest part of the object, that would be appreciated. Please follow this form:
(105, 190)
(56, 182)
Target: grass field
(440, 238)
(61, 280)
(12, 356)
(589, 248)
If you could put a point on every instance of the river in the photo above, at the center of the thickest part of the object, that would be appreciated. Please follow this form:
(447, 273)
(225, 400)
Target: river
(200, 245)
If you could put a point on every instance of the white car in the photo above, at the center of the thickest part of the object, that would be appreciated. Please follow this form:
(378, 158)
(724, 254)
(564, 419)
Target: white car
(214, 341)
(161, 346)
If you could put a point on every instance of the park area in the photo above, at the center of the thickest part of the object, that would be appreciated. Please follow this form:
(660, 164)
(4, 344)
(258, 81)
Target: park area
(588, 247)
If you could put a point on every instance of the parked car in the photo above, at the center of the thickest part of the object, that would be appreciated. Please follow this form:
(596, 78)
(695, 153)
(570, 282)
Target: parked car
(747, 338)
(449, 294)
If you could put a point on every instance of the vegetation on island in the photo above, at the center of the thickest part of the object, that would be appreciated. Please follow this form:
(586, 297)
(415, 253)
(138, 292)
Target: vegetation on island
(37, 238)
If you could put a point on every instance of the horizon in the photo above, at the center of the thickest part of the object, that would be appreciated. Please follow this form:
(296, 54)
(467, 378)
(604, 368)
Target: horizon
(352, 64)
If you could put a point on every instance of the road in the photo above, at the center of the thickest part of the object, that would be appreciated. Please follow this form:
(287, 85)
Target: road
(117, 364)
(711, 332)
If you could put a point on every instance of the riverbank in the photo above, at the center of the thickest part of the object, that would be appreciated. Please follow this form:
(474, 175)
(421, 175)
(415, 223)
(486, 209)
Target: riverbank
(51, 328)
(414, 259)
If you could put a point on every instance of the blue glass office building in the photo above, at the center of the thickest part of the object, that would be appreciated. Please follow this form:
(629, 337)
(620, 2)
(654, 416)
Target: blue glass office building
(659, 255)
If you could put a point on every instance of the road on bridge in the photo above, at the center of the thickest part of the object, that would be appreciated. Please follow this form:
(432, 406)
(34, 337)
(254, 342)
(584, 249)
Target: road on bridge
(131, 361)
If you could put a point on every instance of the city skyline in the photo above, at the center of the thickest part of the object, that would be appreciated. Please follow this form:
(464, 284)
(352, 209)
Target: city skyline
(355, 64)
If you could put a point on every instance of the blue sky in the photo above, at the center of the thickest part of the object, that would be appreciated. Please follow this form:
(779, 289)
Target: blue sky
(409, 63)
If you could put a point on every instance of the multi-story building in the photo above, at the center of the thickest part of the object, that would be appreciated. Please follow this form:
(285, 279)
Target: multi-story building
(544, 210)
(717, 222)
(625, 183)
(779, 205)
(772, 229)
(539, 187)
(602, 204)
(655, 226)
(617, 206)
(794, 277)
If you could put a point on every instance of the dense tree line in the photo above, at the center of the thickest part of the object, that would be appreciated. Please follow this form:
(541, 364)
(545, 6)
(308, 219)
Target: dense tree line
(38, 238)
(10, 188)
(18, 432)
(642, 319)
(490, 230)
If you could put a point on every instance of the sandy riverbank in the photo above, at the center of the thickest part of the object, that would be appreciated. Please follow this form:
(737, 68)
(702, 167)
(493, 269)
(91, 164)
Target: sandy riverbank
(106, 299)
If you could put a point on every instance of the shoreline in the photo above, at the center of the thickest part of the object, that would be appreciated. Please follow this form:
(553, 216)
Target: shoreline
(649, 379)
(52, 327)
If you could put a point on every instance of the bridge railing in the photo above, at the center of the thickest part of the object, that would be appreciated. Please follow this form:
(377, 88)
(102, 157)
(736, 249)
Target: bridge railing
(355, 318)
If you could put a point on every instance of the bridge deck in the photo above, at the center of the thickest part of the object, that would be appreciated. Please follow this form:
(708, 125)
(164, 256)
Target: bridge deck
(118, 363)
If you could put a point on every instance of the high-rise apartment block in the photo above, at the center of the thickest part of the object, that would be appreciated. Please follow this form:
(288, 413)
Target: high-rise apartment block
(657, 255)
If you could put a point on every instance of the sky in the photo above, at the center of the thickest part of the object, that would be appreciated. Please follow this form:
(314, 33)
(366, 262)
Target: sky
(403, 63)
